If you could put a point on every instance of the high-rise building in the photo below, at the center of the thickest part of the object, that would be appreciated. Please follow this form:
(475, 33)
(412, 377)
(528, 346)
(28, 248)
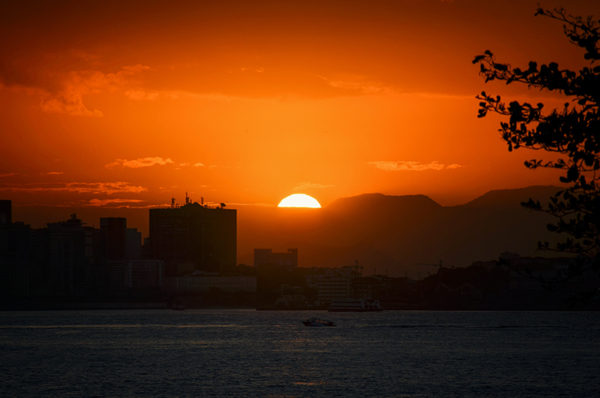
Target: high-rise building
(194, 237)
(134, 244)
(5, 212)
(113, 232)
(61, 251)
(15, 255)
(114, 237)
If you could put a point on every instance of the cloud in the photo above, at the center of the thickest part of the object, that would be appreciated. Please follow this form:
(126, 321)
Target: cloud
(304, 186)
(69, 97)
(70, 103)
(64, 91)
(409, 165)
(148, 161)
(142, 95)
(55, 173)
(186, 164)
(115, 202)
(7, 174)
(258, 69)
(106, 188)
(67, 90)
(357, 83)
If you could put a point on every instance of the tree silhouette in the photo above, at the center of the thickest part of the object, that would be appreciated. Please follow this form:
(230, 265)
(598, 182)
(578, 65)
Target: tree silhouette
(572, 134)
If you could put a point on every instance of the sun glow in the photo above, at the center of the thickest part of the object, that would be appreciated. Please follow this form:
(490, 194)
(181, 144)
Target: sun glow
(300, 200)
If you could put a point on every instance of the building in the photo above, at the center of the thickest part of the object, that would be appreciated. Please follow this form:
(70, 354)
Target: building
(145, 274)
(133, 244)
(69, 260)
(335, 283)
(5, 212)
(194, 237)
(287, 259)
(113, 232)
(198, 284)
(61, 264)
(15, 256)
(114, 237)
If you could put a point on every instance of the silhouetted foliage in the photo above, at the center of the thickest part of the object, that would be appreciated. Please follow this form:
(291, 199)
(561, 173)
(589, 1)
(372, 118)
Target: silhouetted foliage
(573, 132)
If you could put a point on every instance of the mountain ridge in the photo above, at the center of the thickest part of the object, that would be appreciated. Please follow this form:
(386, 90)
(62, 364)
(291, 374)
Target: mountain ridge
(486, 197)
(397, 232)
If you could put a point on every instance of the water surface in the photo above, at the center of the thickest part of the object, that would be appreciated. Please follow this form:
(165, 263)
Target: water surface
(253, 353)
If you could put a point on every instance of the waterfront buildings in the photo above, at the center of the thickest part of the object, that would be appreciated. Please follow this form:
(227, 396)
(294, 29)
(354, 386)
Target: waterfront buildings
(194, 237)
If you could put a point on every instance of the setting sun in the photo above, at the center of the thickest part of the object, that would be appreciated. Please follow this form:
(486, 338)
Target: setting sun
(300, 200)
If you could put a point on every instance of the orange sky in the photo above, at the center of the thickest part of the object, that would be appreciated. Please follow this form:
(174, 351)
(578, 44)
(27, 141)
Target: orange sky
(128, 104)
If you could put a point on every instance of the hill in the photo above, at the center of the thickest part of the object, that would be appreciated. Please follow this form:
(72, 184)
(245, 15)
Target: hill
(395, 234)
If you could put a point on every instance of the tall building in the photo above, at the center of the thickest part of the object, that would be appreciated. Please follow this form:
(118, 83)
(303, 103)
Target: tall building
(113, 232)
(5, 212)
(194, 237)
(134, 244)
(114, 237)
(61, 255)
(15, 255)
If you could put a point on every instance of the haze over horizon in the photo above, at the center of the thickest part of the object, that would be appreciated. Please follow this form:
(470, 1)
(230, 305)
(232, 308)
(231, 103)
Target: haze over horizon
(110, 104)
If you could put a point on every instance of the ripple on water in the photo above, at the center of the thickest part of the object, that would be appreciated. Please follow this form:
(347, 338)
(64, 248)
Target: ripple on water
(249, 353)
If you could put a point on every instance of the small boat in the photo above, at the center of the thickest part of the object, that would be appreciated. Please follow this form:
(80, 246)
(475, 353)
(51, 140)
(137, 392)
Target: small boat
(317, 322)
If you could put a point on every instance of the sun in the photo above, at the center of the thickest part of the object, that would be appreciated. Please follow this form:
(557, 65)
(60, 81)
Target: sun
(299, 200)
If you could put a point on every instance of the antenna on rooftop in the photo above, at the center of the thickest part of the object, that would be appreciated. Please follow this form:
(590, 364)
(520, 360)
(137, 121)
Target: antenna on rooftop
(187, 199)
(172, 203)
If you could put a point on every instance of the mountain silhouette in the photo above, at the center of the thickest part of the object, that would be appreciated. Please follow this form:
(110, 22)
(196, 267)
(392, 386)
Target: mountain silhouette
(512, 197)
(398, 234)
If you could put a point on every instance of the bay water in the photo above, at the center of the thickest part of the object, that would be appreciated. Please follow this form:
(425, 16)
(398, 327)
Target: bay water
(252, 353)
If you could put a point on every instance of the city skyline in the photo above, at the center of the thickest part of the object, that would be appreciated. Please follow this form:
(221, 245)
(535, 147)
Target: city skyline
(390, 233)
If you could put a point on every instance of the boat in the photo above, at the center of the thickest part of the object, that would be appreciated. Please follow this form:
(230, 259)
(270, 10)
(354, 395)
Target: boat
(355, 305)
(317, 322)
